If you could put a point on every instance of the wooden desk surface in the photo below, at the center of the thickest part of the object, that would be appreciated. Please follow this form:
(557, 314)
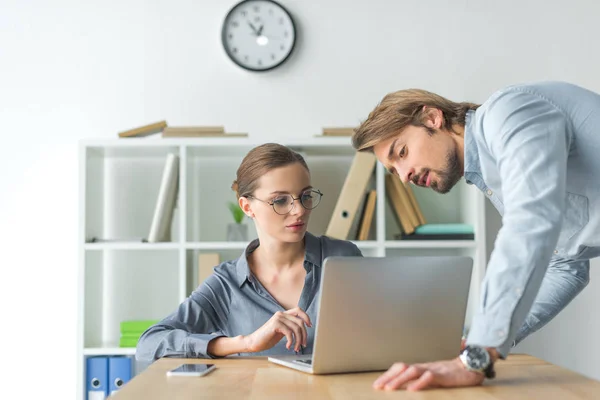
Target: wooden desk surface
(519, 377)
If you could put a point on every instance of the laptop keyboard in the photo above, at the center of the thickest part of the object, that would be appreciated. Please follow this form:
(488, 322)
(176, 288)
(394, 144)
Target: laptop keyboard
(307, 362)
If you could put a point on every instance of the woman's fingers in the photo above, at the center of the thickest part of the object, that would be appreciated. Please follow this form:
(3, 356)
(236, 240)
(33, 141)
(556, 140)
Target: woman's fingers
(303, 335)
(298, 312)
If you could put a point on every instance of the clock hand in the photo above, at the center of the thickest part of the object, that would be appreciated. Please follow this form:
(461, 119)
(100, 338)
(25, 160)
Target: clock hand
(260, 30)
(254, 29)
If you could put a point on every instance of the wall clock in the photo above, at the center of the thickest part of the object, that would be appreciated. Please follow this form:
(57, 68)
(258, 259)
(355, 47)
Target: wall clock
(258, 35)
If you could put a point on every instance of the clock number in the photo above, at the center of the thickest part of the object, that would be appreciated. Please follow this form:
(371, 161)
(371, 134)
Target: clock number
(256, 8)
(235, 24)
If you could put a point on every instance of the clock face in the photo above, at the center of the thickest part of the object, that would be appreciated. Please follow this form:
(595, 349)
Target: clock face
(258, 35)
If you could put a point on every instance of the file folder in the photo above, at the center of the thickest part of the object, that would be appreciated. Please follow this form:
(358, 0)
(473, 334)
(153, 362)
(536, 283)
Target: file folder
(97, 378)
(119, 373)
(353, 190)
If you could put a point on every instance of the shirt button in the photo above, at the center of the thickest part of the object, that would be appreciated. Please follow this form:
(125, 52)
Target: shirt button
(555, 251)
(501, 333)
(489, 192)
(518, 291)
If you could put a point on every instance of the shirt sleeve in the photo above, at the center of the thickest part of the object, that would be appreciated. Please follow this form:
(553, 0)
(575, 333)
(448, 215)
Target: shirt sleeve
(528, 139)
(188, 330)
(564, 280)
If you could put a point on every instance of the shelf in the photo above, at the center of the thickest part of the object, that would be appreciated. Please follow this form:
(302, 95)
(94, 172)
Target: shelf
(367, 244)
(131, 246)
(216, 245)
(109, 350)
(429, 244)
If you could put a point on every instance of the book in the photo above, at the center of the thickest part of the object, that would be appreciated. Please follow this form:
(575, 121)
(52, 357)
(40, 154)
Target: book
(400, 208)
(192, 131)
(367, 216)
(206, 263)
(441, 236)
(413, 200)
(136, 326)
(405, 200)
(440, 232)
(338, 131)
(160, 229)
(145, 130)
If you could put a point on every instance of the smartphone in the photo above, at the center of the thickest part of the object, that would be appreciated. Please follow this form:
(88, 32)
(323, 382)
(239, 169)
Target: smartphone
(192, 370)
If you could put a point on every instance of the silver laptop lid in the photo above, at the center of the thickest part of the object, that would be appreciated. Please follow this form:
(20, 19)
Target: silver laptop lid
(376, 311)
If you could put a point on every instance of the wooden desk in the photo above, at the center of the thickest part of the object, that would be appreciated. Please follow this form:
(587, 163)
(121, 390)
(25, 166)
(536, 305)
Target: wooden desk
(519, 377)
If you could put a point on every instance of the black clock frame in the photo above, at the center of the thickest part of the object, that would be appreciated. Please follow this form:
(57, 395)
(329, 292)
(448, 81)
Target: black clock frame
(232, 58)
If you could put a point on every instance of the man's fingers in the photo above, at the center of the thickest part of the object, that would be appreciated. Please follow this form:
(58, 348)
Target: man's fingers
(390, 374)
(410, 374)
(425, 381)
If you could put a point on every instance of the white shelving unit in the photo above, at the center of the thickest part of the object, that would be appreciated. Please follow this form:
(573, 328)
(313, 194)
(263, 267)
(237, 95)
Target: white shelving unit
(119, 182)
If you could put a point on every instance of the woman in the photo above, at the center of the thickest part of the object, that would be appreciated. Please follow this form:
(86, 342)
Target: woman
(247, 306)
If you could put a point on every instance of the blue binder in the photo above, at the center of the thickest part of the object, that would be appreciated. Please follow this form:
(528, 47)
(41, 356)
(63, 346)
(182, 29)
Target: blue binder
(119, 373)
(97, 378)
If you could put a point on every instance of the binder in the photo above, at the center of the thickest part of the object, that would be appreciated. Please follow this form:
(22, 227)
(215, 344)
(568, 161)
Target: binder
(97, 378)
(206, 263)
(119, 373)
(352, 194)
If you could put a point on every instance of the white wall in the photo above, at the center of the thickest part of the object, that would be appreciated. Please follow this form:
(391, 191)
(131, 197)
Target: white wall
(71, 70)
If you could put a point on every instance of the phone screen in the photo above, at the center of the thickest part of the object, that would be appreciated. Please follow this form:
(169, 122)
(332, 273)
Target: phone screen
(192, 370)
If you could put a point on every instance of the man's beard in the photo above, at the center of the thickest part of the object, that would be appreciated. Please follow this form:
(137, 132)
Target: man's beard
(450, 175)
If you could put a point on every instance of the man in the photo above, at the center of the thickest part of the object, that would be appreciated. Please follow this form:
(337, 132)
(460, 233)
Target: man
(534, 150)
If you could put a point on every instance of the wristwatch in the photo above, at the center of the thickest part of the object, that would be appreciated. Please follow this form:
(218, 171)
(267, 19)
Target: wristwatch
(477, 359)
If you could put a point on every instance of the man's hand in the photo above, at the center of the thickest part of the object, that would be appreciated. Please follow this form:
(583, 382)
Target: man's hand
(291, 324)
(450, 373)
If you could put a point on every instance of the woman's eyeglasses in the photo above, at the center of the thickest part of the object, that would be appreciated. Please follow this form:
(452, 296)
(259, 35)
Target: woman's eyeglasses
(284, 204)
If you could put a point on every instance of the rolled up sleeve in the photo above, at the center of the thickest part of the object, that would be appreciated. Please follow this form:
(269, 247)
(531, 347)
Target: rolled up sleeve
(528, 137)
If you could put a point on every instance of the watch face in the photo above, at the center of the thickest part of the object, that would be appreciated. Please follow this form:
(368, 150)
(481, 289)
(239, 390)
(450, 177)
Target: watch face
(258, 35)
(477, 357)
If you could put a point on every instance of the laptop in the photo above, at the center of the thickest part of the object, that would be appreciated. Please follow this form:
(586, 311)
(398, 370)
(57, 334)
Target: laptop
(375, 311)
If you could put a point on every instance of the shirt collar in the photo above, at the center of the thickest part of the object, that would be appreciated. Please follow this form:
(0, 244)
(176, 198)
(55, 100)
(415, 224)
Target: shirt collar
(312, 256)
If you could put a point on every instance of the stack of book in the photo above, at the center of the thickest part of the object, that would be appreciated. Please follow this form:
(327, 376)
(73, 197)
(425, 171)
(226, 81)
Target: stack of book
(411, 219)
(132, 330)
(352, 216)
(166, 131)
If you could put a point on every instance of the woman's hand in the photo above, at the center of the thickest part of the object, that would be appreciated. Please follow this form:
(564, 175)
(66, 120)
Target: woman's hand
(291, 324)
